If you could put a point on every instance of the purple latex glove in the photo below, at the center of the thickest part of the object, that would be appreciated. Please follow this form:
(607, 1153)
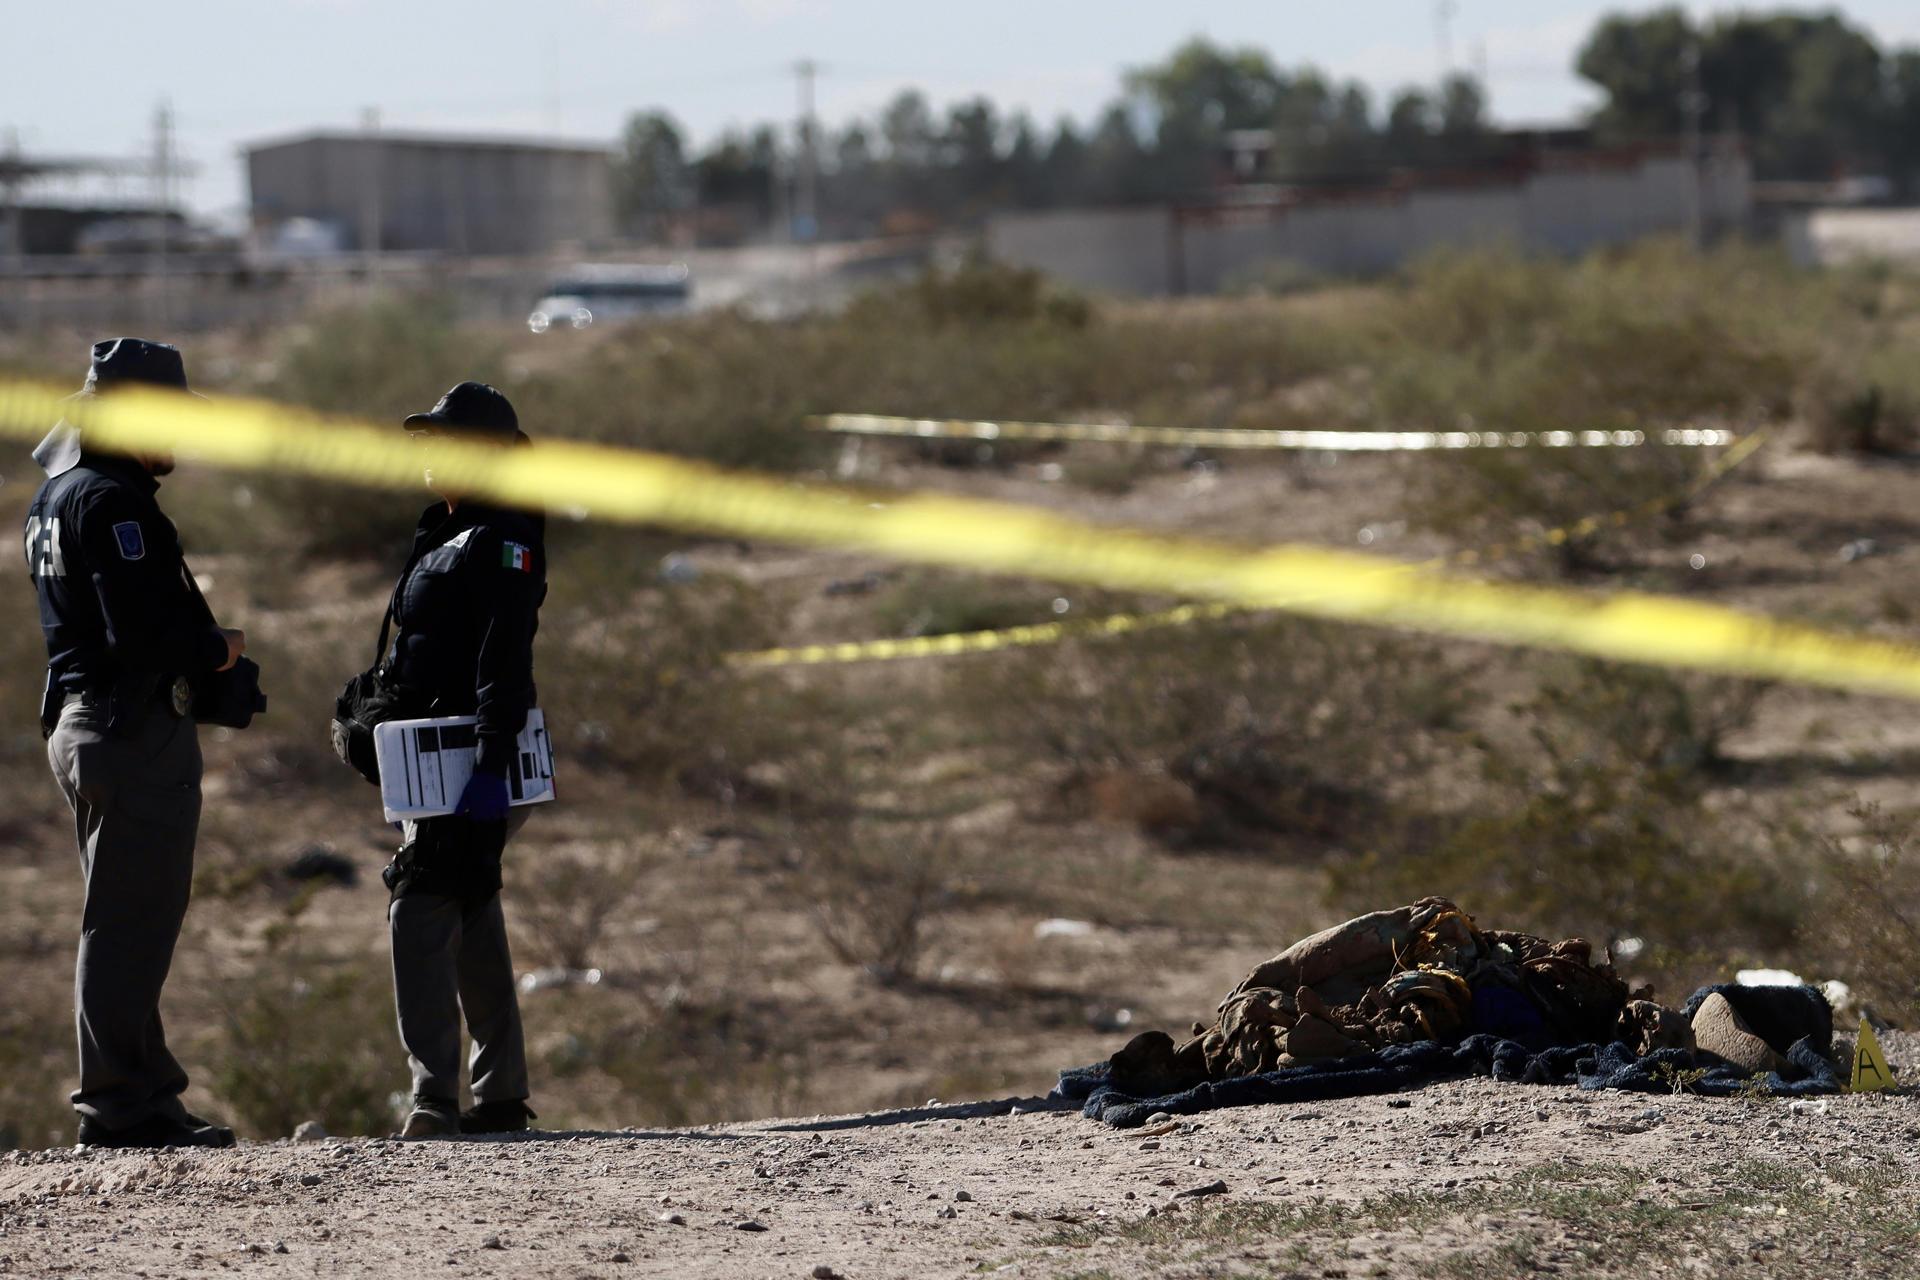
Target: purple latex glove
(485, 799)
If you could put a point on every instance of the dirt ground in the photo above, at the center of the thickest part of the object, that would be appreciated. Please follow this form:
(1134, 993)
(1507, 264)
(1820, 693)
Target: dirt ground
(1462, 1178)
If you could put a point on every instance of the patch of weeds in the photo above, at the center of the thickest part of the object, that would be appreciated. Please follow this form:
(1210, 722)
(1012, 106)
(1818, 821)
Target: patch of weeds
(1681, 1080)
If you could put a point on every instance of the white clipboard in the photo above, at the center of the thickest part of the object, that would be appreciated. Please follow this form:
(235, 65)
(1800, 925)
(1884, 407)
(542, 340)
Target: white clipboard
(425, 764)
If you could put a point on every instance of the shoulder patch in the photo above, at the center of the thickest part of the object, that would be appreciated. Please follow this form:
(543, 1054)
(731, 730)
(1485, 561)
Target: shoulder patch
(516, 556)
(133, 544)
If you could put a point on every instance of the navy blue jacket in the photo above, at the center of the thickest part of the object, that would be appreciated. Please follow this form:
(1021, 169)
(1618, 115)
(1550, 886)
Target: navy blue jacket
(119, 611)
(466, 609)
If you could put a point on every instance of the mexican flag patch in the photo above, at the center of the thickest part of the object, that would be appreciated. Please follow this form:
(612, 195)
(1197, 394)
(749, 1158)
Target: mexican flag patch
(514, 556)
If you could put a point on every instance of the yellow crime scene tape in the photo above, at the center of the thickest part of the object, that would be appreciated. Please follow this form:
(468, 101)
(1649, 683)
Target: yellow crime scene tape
(868, 424)
(1034, 635)
(632, 487)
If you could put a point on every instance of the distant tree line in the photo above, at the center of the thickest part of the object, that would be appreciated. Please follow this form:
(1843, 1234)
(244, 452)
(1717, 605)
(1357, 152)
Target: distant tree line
(1165, 137)
(1813, 96)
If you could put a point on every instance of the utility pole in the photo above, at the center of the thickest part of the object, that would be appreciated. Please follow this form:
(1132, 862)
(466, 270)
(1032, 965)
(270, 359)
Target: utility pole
(1693, 110)
(371, 211)
(806, 218)
(1443, 13)
(13, 174)
(163, 200)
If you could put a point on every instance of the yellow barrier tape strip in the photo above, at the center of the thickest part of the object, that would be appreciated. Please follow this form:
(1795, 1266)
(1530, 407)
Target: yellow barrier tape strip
(867, 424)
(992, 537)
(1045, 633)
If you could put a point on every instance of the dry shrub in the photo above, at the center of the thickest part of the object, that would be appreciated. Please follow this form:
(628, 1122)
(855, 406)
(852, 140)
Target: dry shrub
(634, 673)
(1598, 817)
(304, 1035)
(1866, 929)
(564, 899)
(1276, 724)
(36, 1047)
(1652, 338)
(875, 891)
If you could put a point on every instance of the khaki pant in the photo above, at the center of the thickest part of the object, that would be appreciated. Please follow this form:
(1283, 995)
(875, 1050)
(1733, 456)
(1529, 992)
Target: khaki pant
(451, 962)
(135, 798)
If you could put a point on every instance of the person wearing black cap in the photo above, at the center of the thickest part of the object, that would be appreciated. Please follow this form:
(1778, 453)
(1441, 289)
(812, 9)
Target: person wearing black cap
(128, 637)
(465, 612)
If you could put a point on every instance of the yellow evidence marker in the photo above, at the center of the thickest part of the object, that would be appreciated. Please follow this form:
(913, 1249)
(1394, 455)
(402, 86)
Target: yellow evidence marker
(1870, 1069)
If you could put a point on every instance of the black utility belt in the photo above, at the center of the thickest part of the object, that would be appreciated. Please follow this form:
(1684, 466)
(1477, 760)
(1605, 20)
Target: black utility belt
(176, 695)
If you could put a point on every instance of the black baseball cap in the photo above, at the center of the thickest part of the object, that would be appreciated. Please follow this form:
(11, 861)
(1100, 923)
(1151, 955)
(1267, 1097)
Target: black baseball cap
(472, 408)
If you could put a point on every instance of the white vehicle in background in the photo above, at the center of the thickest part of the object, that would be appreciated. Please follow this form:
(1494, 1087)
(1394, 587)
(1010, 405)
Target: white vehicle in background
(590, 295)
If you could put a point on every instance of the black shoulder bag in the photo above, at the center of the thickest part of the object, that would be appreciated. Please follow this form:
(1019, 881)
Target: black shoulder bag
(367, 701)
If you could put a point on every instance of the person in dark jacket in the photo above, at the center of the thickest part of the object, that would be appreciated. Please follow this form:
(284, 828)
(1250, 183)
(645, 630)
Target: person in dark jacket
(128, 638)
(465, 612)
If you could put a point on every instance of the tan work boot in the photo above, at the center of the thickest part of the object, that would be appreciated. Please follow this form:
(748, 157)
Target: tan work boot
(431, 1118)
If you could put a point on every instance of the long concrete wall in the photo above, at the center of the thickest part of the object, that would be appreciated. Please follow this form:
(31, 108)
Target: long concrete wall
(452, 197)
(1160, 251)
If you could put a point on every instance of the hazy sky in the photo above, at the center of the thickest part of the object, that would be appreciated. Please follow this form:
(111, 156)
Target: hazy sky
(86, 77)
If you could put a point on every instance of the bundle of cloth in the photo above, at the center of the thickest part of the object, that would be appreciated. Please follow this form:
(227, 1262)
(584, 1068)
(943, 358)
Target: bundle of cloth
(1423, 990)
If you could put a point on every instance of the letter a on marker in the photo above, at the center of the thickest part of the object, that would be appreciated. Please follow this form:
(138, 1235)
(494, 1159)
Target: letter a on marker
(1870, 1069)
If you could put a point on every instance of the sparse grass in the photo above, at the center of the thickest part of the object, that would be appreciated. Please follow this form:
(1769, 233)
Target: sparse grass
(1586, 1219)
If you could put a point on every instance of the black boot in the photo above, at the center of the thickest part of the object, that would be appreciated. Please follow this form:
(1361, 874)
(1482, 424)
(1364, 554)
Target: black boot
(153, 1132)
(508, 1116)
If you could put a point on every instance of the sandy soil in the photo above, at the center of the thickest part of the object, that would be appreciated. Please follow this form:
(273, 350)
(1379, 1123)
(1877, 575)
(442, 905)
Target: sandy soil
(1464, 1175)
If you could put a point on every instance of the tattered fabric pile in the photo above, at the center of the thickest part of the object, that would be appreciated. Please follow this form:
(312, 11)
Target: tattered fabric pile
(1396, 998)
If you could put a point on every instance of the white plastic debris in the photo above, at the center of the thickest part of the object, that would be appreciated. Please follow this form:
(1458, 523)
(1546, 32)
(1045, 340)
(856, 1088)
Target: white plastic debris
(543, 979)
(1769, 978)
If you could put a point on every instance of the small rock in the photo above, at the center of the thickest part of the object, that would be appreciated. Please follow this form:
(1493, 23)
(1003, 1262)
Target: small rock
(493, 1242)
(963, 1196)
(948, 1212)
(1158, 1117)
(749, 1225)
(673, 1220)
(620, 1255)
(825, 1272)
(279, 1246)
(309, 1179)
(1399, 1104)
(310, 1131)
